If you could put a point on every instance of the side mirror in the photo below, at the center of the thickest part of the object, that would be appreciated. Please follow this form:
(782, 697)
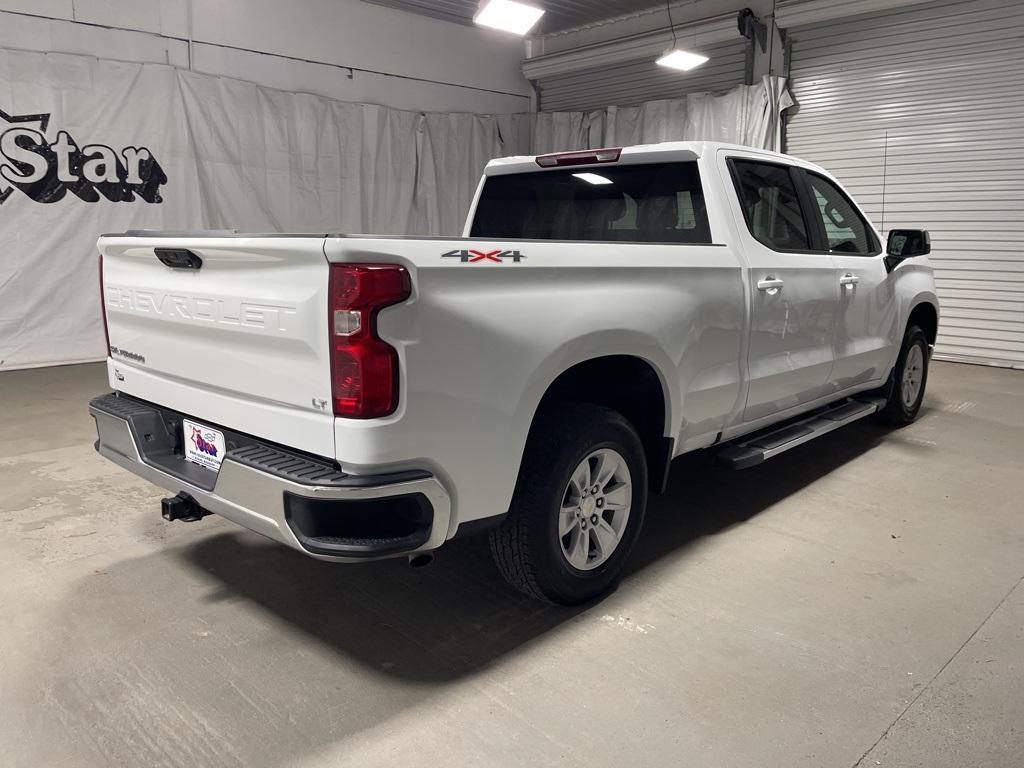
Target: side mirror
(905, 244)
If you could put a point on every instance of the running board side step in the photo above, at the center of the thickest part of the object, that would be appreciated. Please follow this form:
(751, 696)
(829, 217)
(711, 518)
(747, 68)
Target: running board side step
(752, 449)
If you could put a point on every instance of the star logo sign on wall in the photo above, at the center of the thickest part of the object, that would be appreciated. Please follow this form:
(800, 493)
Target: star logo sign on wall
(46, 171)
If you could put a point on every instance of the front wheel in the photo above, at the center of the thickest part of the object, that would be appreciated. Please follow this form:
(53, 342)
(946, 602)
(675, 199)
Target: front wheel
(577, 508)
(904, 390)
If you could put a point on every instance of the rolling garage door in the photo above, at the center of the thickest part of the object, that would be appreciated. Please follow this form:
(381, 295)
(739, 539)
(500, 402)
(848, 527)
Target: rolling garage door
(920, 112)
(635, 82)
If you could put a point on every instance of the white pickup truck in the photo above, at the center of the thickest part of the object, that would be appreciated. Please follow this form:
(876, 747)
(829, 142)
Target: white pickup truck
(359, 397)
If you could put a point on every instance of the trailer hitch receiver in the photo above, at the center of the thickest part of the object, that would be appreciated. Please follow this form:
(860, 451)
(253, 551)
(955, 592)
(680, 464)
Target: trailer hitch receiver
(182, 507)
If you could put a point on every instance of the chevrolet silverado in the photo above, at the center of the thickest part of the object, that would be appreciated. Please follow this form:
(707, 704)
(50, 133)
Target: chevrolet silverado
(356, 396)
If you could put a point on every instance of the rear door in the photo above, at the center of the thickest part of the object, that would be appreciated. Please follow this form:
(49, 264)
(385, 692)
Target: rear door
(793, 288)
(236, 337)
(866, 328)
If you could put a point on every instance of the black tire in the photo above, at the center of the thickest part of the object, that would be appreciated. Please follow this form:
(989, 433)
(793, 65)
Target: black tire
(526, 546)
(896, 411)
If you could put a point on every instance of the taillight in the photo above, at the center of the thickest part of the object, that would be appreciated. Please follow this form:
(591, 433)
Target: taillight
(364, 368)
(103, 309)
(586, 157)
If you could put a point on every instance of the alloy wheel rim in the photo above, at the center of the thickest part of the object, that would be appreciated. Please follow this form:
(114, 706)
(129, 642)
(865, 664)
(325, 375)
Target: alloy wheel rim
(594, 509)
(913, 373)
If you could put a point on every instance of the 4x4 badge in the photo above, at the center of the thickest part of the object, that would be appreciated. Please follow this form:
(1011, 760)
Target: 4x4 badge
(474, 257)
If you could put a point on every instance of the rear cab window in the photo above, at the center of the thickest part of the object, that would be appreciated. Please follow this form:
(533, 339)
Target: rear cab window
(643, 203)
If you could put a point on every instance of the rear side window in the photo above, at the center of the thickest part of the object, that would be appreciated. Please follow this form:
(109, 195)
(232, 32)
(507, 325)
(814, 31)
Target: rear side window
(662, 203)
(770, 204)
(845, 229)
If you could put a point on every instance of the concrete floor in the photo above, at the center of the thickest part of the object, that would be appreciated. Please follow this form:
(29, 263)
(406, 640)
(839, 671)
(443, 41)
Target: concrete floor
(856, 601)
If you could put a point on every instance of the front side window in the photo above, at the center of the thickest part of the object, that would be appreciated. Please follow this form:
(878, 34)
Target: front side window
(845, 229)
(649, 203)
(771, 205)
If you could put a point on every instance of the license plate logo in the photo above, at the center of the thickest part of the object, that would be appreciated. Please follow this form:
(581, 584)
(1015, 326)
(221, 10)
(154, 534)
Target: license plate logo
(203, 445)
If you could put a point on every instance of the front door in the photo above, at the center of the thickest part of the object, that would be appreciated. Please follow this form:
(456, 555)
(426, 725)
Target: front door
(795, 293)
(866, 326)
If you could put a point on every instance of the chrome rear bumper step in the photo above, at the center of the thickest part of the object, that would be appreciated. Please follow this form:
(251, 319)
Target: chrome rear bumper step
(753, 449)
(302, 501)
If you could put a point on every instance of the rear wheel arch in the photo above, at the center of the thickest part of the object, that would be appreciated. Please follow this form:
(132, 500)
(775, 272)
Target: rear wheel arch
(629, 385)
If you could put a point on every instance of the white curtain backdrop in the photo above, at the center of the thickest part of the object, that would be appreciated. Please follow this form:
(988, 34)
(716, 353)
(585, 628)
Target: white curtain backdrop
(748, 114)
(227, 154)
(236, 156)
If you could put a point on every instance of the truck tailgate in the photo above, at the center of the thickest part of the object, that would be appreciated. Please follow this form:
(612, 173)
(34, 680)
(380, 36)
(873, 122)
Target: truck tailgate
(241, 341)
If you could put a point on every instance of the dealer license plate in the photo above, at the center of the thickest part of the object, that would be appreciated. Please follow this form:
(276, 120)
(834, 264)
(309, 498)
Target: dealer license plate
(203, 445)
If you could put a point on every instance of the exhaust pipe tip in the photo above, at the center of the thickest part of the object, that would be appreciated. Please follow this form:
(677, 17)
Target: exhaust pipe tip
(421, 560)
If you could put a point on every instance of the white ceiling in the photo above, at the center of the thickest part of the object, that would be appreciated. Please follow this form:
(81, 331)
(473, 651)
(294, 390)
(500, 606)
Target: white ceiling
(560, 14)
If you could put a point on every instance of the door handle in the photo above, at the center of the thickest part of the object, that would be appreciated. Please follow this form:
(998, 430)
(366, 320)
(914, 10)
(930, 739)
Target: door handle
(849, 279)
(771, 285)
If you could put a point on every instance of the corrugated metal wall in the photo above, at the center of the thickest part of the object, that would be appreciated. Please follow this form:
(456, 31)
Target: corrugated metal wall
(924, 107)
(635, 82)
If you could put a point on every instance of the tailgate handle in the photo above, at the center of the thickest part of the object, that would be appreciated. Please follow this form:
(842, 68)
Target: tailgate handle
(178, 258)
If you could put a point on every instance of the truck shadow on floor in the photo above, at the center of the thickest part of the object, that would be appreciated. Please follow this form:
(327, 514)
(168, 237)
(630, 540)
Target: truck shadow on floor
(455, 617)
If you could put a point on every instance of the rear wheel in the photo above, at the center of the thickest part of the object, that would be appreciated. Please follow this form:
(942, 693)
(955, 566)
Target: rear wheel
(904, 390)
(578, 505)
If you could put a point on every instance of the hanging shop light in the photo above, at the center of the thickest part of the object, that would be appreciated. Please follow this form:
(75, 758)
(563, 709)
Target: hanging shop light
(676, 57)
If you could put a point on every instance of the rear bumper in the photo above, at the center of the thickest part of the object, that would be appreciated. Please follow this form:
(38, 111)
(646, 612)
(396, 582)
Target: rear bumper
(297, 500)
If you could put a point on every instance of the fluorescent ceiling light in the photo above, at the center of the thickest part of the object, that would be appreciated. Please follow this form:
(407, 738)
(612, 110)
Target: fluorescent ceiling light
(680, 59)
(592, 178)
(508, 15)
